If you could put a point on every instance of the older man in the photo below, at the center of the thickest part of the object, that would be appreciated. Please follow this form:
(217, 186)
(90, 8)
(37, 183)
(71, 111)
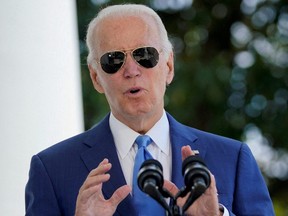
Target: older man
(131, 62)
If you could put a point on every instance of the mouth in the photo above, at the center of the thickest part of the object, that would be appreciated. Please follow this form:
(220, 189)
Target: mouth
(133, 91)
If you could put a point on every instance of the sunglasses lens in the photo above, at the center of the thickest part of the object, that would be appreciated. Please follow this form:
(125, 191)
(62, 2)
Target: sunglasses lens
(111, 62)
(147, 57)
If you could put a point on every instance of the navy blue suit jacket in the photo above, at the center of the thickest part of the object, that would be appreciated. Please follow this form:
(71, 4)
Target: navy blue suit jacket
(57, 173)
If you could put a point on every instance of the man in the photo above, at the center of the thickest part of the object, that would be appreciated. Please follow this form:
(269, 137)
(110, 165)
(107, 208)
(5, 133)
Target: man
(131, 62)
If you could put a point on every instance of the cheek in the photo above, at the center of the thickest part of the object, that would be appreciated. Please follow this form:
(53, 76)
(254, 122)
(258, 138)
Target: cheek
(163, 78)
(110, 87)
(159, 84)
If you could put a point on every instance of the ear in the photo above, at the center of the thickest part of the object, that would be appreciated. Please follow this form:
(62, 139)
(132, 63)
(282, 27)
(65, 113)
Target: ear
(95, 79)
(170, 65)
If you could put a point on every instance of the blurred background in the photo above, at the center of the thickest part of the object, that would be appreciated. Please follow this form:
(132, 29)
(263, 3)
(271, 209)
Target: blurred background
(231, 75)
(231, 78)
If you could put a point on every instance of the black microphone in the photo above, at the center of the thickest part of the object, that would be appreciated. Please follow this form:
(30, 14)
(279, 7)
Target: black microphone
(196, 178)
(150, 181)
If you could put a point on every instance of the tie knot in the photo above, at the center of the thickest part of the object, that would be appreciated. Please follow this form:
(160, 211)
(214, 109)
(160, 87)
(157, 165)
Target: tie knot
(143, 141)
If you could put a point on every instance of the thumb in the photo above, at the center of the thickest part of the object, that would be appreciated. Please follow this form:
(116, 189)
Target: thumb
(171, 187)
(120, 194)
(186, 152)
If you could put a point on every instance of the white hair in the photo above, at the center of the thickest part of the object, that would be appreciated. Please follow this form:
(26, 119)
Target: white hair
(125, 10)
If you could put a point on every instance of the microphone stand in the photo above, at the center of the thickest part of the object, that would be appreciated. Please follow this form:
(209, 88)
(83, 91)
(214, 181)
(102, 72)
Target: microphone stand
(174, 209)
(159, 195)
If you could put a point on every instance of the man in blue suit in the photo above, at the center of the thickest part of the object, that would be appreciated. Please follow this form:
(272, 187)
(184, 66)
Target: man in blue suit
(131, 62)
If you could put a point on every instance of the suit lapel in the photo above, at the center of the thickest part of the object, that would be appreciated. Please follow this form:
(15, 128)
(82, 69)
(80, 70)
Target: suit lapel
(180, 136)
(102, 146)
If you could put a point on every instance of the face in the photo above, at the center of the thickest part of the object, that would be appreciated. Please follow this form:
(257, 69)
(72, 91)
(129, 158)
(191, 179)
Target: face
(133, 92)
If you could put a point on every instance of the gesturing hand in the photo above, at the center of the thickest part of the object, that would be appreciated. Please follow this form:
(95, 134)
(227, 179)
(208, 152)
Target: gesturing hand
(90, 200)
(206, 204)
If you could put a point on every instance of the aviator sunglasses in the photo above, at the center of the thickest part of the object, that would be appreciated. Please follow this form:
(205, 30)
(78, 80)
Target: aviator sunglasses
(146, 57)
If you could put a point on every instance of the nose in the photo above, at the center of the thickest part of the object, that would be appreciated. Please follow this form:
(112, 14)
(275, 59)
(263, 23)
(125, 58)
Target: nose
(130, 67)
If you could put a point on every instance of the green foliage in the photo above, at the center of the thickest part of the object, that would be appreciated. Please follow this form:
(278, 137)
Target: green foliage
(231, 60)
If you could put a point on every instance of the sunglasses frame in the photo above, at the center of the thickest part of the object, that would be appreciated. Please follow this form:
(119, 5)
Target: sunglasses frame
(125, 57)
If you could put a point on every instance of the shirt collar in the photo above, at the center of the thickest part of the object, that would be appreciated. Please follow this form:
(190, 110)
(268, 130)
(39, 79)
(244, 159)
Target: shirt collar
(124, 137)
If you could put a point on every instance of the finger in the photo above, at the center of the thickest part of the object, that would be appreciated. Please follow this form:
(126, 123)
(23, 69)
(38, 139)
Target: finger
(212, 189)
(171, 187)
(95, 180)
(207, 203)
(104, 161)
(102, 168)
(93, 185)
(186, 152)
(85, 194)
(120, 194)
(97, 175)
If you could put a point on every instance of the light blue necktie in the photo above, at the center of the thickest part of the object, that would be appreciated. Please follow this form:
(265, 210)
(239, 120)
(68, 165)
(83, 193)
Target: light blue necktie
(145, 205)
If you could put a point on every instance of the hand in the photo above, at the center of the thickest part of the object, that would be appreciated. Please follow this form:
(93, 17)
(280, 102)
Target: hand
(206, 204)
(90, 200)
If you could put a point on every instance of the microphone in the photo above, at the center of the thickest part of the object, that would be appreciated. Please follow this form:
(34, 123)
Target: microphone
(150, 181)
(196, 178)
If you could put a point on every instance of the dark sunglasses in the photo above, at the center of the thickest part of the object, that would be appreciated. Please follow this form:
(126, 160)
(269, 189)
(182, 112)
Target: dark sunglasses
(146, 57)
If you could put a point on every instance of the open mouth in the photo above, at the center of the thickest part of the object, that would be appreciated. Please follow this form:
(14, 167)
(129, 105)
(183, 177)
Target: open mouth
(134, 91)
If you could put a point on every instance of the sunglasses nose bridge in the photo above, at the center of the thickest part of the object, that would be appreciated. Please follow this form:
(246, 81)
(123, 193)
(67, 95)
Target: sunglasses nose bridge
(130, 66)
(128, 58)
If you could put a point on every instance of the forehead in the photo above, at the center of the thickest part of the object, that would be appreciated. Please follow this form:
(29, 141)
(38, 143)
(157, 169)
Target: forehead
(116, 33)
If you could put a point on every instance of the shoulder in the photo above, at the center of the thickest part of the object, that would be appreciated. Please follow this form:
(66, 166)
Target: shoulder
(65, 147)
(77, 144)
(202, 137)
(216, 140)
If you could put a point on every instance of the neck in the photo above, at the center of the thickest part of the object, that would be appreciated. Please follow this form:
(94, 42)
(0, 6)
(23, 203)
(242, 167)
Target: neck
(141, 123)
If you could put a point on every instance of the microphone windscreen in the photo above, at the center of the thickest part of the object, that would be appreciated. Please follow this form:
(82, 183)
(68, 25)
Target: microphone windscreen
(191, 159)
(154, 162)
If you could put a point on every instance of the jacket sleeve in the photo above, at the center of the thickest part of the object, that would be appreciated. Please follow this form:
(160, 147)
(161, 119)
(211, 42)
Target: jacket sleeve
(251, 194)
(40, 197)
